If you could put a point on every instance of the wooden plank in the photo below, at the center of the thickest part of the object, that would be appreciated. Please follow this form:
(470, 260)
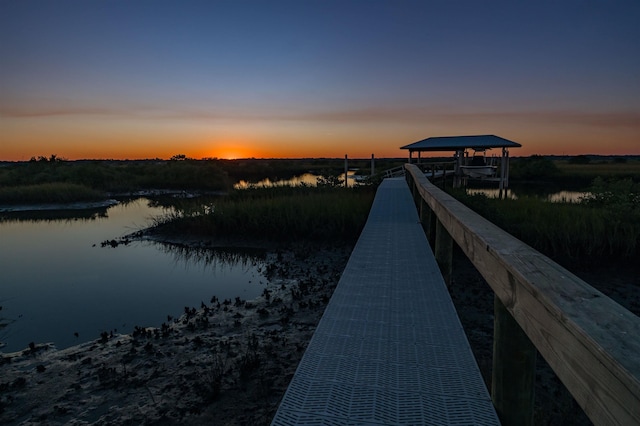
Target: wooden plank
(591, 342)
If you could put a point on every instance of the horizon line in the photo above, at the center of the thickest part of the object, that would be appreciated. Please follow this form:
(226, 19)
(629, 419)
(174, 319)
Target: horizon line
(63, 159)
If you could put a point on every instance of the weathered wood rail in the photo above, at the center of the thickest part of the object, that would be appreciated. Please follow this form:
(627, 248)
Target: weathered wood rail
(435, 170)
(591, 342)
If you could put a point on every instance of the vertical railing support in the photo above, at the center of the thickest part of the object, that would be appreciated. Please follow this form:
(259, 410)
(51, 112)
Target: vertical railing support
(444, 251)
(430, 226)
(514, 365)
(425, 219)
(346, 170)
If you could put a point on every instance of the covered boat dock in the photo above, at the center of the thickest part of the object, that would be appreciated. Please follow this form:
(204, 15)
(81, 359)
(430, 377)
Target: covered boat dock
(478, 166)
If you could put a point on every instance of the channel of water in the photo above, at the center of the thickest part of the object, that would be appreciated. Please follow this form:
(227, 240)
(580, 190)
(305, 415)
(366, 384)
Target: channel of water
(57, 280)
(555, 197)
(58, 284)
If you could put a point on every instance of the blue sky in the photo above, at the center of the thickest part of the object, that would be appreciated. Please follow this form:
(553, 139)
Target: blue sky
(144, 79)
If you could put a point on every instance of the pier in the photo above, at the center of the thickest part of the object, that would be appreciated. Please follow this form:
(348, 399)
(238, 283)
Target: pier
(390, 349)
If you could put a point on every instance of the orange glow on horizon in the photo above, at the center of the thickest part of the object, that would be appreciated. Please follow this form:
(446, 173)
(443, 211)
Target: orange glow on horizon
(98, 137)
(380, 147)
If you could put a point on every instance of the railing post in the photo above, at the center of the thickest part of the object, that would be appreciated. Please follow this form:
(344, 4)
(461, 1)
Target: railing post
(444, 251)
(425, 218)
(514, 365)
(430, 224)
(409, 179)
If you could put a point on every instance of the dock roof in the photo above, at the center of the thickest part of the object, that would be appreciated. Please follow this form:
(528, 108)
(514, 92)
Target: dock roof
(456, 143)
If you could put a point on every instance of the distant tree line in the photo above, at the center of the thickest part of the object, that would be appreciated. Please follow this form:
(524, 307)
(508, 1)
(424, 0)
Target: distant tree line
(179, 172)
(115, 176)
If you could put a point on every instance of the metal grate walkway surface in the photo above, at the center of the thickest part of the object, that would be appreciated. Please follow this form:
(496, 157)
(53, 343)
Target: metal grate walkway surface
(389, 349)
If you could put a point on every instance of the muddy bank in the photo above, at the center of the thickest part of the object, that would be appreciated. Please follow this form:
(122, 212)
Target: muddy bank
(79, 205)
(229, 361)
(225, 362)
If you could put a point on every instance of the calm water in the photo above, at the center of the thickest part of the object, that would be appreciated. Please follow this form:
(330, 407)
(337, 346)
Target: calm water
(304, 179)
(56, 279)
(555, 197)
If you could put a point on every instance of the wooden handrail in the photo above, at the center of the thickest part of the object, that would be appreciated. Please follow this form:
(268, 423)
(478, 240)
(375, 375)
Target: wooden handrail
(591, 342)
(394, 171)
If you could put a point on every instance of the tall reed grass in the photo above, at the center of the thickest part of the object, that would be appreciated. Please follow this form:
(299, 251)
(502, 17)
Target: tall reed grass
(576, 232)
(48, 193)
(278, 213)
(627, 169)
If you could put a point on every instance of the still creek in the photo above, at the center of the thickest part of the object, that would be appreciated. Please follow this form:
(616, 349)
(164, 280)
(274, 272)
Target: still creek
(59, 285)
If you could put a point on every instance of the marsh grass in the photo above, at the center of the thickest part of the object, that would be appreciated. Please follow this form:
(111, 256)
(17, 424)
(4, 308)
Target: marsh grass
(278, 213)
(584, 232)
(606, 169)
(572, 172)
(57, 192)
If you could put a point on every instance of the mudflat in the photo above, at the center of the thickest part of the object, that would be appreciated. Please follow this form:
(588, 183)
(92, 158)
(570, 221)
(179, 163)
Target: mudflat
(229, 362)
(225, 362)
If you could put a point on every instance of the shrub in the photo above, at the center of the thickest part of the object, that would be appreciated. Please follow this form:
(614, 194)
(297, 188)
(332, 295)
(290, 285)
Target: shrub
(48, 193)
(619, 194)
(535, 167)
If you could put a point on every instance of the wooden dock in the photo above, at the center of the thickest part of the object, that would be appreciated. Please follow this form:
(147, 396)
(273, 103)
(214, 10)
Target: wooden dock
(389, 349)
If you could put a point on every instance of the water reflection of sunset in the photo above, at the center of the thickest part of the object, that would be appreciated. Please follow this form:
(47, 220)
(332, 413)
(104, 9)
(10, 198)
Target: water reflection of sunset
(304, 179)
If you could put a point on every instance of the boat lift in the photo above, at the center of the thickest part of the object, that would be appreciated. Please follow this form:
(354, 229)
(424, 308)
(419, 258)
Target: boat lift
(478, 166)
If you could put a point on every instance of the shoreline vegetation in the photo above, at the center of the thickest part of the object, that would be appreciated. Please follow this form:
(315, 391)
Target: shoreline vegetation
(603, 226)
(81, 180)
(56, 180)
(230, 361)
(323, 213)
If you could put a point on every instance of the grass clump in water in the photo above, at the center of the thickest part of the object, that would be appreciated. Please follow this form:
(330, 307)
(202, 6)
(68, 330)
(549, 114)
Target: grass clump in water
(279, 213)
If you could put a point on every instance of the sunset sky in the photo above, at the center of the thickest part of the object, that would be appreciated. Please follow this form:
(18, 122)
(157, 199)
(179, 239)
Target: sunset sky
(306, 78)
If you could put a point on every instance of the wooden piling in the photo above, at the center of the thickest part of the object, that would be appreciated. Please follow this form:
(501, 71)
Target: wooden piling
(346, 169)
(514, 365)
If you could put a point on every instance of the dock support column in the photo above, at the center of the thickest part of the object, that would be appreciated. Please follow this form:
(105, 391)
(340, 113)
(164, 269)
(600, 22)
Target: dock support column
(346, 169)
(506, 173)
(444, 251)
(428, 221)
(430, 227)
(514, 365)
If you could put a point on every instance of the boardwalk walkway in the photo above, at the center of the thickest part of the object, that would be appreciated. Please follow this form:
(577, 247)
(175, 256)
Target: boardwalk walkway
(389, 349)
